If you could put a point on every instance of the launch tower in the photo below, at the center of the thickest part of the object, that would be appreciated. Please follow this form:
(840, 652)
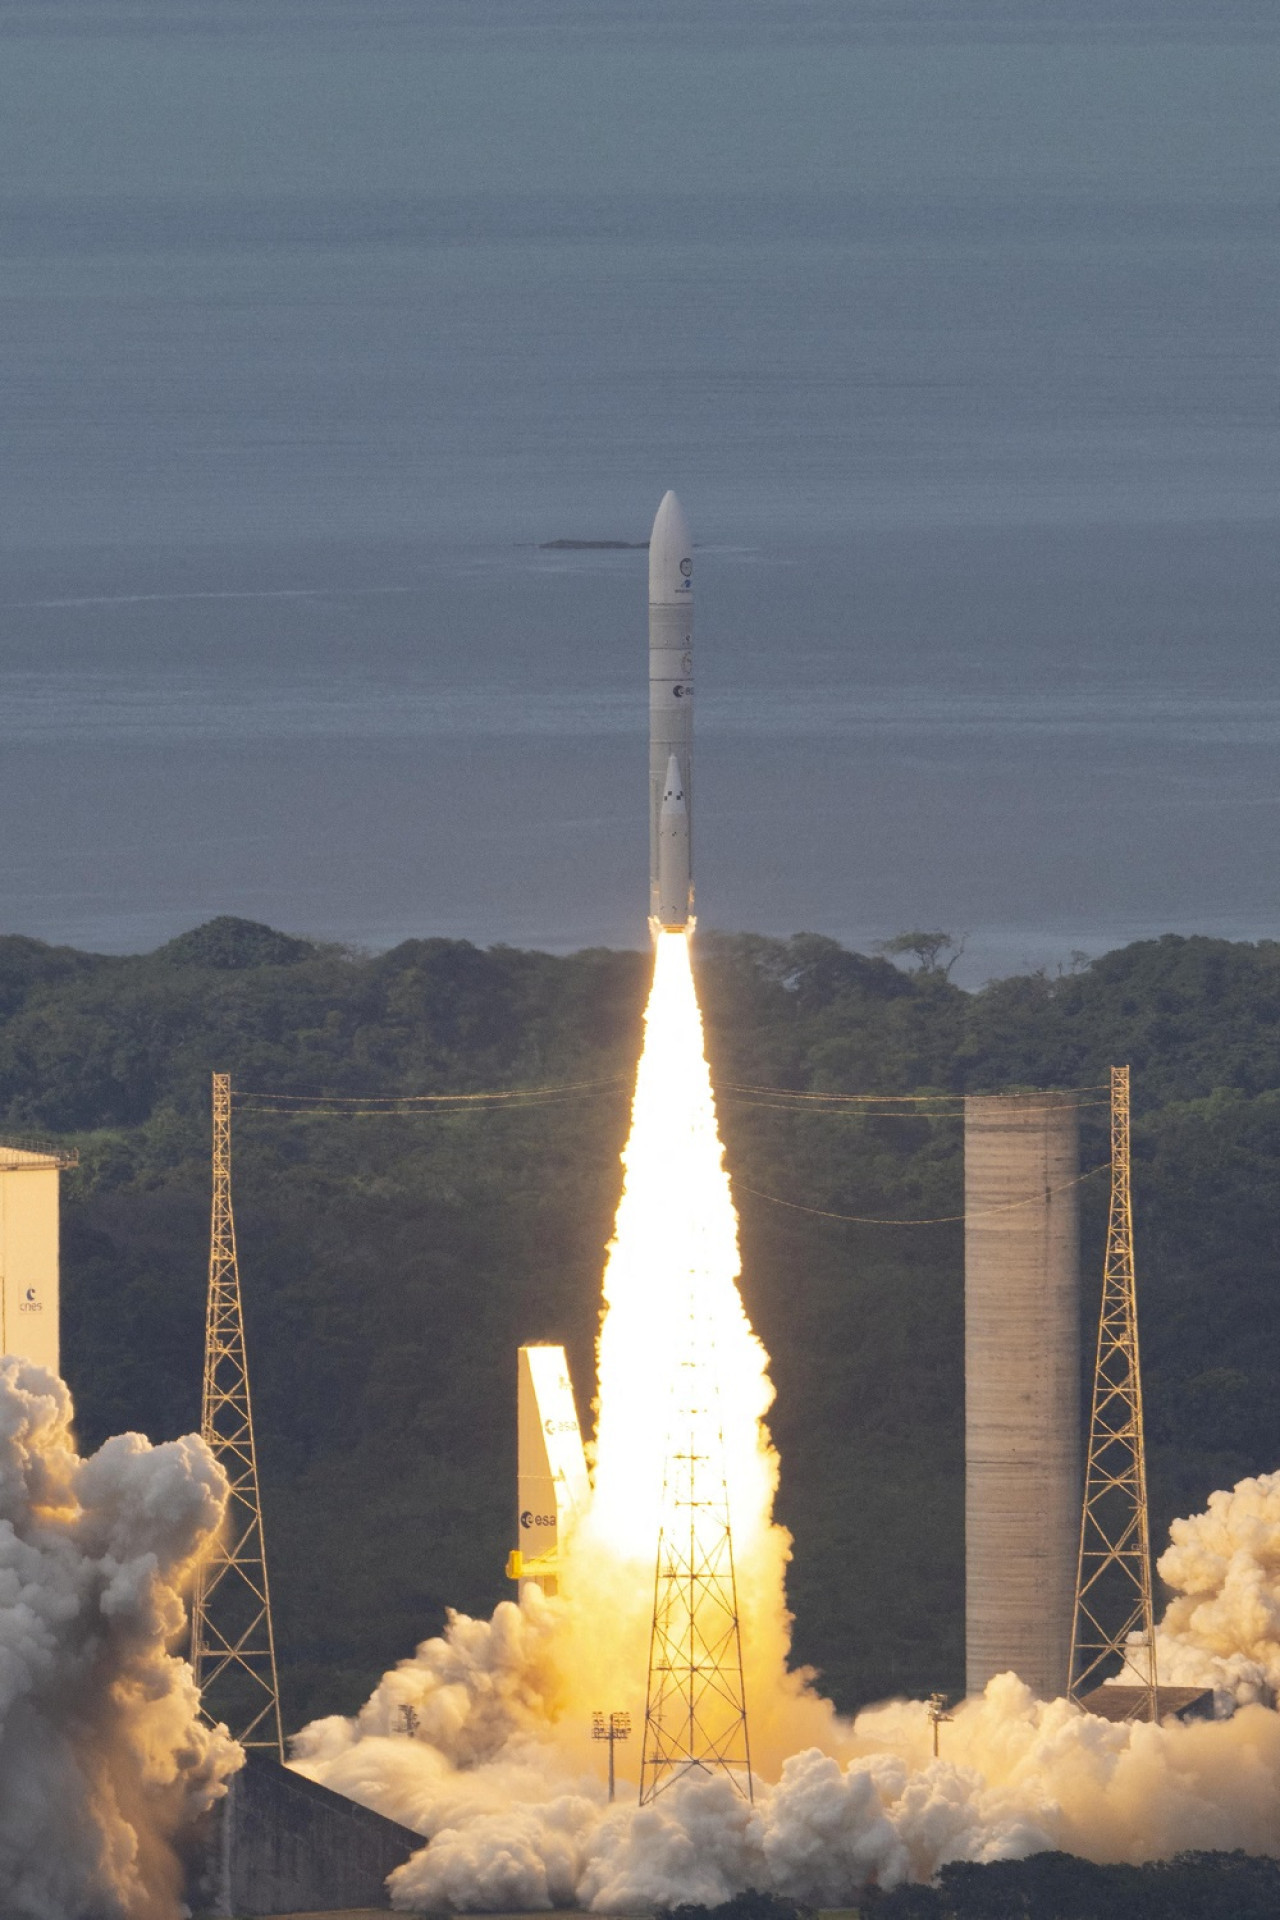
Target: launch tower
(1114, 1624)
(233, 1650)
(696, 1711)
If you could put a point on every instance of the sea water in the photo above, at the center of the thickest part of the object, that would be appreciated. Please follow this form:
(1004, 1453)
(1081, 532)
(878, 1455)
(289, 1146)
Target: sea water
(953, 324)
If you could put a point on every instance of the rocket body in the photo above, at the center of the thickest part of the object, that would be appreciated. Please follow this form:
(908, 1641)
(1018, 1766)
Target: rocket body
(670, 718)
(675, 888)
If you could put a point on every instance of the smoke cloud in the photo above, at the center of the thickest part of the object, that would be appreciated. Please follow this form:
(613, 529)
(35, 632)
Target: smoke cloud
(1222, 1629)
(104, 1763)
(507, 1794)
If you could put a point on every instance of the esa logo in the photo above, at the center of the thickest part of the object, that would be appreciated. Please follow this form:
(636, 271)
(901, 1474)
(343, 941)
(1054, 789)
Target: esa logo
(528, 1519)
(30, 1304)
(553, 1427)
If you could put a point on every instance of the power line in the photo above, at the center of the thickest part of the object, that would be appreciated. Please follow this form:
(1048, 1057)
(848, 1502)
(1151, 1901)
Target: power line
(415, 1105)
(887, 1099)
(243, 1095)
(860, 1112)
(936, 1220)
(289, 1103)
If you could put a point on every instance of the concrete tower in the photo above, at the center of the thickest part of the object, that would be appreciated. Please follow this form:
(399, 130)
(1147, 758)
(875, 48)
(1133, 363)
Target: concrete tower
(1022, 1386)
(29, 1249)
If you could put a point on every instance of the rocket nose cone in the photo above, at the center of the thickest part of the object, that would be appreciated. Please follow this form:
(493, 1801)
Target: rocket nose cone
(673, 791)
(670, 555)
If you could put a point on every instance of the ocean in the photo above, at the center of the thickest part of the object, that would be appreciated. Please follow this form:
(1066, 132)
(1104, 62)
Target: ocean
(954, 325)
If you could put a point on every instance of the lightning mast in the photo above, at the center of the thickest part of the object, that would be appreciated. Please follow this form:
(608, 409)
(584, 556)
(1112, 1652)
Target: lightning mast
(696, 1712)
(1114, 1616)
(233, 1652)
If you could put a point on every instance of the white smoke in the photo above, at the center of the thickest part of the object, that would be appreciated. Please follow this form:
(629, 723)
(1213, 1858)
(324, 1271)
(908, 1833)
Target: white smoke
(1222, 1629)
(517, 1819)
(104, 1763)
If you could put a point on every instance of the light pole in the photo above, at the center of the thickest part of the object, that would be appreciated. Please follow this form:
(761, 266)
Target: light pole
(936, 1708)
(611, 1727)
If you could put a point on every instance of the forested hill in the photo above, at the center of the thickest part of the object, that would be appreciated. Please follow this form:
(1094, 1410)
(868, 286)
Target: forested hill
(392, 1264)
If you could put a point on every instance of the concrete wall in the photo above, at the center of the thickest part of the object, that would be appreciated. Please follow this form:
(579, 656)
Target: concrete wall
(1022, 1386)
(29, 1255)
(280, 1844)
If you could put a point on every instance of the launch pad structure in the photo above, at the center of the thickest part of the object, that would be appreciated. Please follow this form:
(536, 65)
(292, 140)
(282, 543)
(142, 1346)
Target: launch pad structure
(1058, 1565)
(695, 1718)
(1114, 1619)
(1023, 1487)
(233, 1649)
(552, 1483)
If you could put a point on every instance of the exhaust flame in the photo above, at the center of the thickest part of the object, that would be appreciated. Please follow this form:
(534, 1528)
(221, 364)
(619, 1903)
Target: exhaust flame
(675, 1330)
(670, 1295)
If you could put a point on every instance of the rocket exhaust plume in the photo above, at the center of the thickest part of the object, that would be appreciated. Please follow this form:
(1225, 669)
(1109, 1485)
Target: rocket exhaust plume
(677, 1232)
(675, 1255)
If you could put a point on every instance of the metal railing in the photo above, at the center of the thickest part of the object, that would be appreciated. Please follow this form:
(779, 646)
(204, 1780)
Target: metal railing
(61, 1156)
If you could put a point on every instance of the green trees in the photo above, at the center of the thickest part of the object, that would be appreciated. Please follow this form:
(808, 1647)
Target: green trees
(1059, 1886)
(391, 1264)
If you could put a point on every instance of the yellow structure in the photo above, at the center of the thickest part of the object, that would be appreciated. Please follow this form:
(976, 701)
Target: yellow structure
(552, 1483)
(29, 1172)
(1114, 1625)
(233, 1651)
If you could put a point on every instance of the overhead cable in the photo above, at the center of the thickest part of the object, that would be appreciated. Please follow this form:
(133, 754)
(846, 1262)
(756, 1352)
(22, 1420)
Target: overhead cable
(937, 1220)
(887, 1099)
(374, 1104)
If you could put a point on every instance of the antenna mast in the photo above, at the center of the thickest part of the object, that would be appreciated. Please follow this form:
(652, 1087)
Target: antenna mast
(233, 1650)
(696, 1712)
(1114, 1616)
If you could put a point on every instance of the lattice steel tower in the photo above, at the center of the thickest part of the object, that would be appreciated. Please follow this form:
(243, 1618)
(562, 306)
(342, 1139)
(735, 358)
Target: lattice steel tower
(1114, 1618)
(233, 1650)
(695, 1712)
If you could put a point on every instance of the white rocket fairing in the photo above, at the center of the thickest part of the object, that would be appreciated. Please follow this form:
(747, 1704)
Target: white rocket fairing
(670, 718)
(551, 1468)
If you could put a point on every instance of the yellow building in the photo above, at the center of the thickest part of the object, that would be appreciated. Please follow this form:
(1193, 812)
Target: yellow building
(29, 1173)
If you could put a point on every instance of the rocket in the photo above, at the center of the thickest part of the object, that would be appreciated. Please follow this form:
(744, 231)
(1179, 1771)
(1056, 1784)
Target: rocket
(670, 720)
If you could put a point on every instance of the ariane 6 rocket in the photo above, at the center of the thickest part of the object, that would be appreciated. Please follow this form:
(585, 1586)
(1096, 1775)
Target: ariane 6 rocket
(670, 719)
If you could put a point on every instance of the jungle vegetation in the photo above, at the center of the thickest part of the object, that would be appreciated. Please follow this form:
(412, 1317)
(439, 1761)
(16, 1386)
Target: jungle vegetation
(391, 1264)
(1050, 1886)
